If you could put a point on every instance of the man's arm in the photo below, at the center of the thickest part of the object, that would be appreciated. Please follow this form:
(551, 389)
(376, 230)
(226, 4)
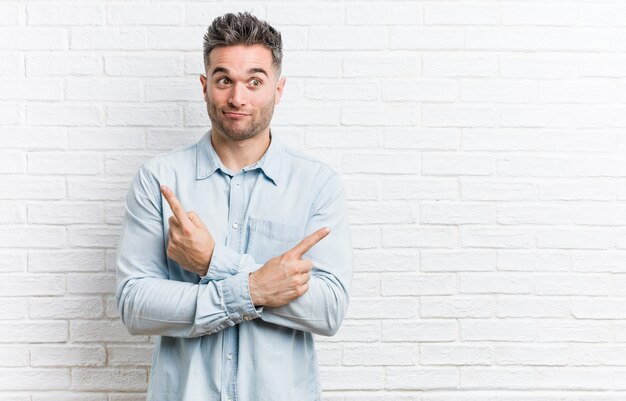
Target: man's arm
(148, 301)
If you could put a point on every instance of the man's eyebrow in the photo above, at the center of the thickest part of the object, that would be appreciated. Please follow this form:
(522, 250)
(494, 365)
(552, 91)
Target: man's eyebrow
(219, 69)
(257, 70)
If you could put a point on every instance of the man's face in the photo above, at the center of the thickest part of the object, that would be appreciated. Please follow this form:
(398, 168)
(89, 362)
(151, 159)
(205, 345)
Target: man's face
(241, 89)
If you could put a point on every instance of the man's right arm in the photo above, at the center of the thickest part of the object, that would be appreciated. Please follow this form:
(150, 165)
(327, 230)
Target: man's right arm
(148, 301)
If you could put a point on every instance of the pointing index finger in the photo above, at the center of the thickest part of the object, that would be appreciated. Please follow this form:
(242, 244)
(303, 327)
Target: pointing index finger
(175, 205)
(308, 242)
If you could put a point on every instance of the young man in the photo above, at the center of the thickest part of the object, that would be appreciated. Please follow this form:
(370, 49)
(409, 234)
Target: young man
(236, 288)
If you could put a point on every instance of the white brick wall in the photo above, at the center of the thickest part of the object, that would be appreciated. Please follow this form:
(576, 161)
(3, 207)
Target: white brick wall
(480, 143)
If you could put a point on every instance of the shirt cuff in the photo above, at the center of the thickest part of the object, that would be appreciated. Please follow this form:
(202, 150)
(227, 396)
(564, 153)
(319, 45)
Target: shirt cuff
(237, 300)
(226, 263)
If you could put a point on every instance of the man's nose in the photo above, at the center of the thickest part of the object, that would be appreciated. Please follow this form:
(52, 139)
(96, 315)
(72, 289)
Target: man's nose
(238, 96)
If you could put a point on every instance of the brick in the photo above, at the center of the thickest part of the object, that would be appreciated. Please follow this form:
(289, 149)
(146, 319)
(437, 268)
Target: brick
(512, 139)
(64, 14)
(62, 63)
(365, 285)
(375, 64)
(31, 89)
(32, 237)
(109, 379)
(342, 90)
(143, 115)
(601, 214)
(379, 260)
(10, 14)
(33, 138)
(500, 91)
(426, 237)
(348, 138)
(379, 354)
(168, 139)
(379, 13)
(380, 213)
(420, 91)
(33, 38)
(535, 213)
(424, 330)
(365, 238)
(93, 237)
(447, 13)
(352, 378)
(459, 116)
(600, 14)
(455, 354)
(64, 163)
(14, 355)
(454, 65)
(598, 308)
(11, 113)
(13, 308)
(305, 64)
(599, 261)
(538, 307)
(65, 261)
(108, 188)
(101, 330)
(572, 284)
(419, 188)
(12, 63)
(63, 114)
(110, 304)
(34, 379)
(347, 38)
(421, 378)
(572, 331)
(535, 166)
(106, 139)
(125, 164)
(495, 283)
(12, 163)
(65, 308)
(203, 13)
(551, 116)
(380, 163)
(539, 66)
(457, 164)
(596, 355)
(418, 284)
(580, 238)
(144, 14)
(539, 14)
(32, 188)
(175, 38)
(511, 330)
(305, 14)
(31, 331)
(73, 396)
(578, 91)
(426, 38)
(89, 283)
(456, 213)
(108, 38)
(533, 260)
(552, 355)
(329, 354)
(456, 307)
(129, 355)
(12, 260)
(575, 189)
(67, 355)
(386, 114)
(497, 237)
(137, 65)
(568, 141)
(109, 89)
(382, 308)
(417, 138)
(114, 215)
(305, 115)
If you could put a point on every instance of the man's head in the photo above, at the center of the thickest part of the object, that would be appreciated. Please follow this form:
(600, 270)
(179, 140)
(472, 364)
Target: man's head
(243, 29)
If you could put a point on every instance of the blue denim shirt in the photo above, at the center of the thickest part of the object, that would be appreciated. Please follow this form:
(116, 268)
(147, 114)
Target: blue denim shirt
(213, 343)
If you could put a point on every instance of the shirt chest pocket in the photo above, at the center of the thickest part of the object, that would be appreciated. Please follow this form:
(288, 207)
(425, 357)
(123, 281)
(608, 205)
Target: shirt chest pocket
(270, 238)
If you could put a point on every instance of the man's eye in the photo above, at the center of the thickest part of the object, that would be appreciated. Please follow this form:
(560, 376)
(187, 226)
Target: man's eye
(255, 82)
(223, 81)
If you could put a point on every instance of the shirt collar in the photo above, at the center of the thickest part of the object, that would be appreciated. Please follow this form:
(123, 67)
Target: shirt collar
(207, 160)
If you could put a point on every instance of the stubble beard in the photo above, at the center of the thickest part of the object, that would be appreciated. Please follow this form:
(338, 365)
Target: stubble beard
(257, 124)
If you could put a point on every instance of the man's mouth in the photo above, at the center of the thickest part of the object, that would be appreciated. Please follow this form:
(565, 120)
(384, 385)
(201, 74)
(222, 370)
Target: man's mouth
(236, 114)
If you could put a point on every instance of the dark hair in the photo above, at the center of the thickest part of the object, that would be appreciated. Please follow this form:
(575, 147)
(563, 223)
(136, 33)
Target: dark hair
(243, 29)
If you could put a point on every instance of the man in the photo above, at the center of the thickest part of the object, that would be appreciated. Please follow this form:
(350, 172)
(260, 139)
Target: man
(237, 288)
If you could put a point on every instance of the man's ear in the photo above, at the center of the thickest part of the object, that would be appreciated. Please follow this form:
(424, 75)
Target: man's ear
(203, 81)
(279, 89)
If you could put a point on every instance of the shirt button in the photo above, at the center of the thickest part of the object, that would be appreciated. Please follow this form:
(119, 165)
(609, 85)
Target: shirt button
(229, 357)
(235, 225)
(246, 317)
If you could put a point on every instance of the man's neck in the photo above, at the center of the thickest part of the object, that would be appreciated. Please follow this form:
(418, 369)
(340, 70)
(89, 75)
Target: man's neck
(236, 155)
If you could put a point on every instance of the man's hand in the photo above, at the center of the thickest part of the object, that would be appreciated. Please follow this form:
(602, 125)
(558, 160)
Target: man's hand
(286, 277)
(190, 243)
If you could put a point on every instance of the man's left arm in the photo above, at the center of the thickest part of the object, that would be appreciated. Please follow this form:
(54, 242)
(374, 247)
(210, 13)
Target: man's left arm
(322, 308)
